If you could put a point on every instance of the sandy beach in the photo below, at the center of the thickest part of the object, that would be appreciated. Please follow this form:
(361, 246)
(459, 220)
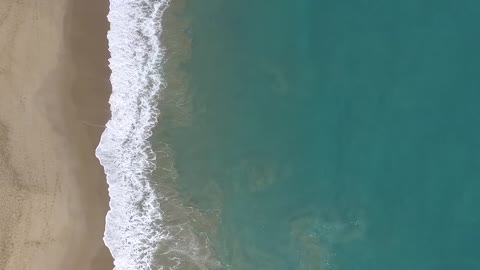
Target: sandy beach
(54, 88)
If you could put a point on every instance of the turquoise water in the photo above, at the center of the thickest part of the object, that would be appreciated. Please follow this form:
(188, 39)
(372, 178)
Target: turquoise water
(332, 134)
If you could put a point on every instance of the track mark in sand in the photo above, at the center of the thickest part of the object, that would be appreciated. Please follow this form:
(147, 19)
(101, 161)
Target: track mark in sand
(36, 11)
(5, 11)
(48, 206)
(31, 195)
(10, 21)
(12, 201)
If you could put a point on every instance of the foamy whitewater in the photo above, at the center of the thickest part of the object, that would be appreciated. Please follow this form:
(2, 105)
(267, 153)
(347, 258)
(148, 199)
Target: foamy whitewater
(124, 149)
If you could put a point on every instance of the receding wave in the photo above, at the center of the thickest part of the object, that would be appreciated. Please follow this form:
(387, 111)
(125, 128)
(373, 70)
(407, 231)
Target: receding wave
(148, 225)
(124, 149)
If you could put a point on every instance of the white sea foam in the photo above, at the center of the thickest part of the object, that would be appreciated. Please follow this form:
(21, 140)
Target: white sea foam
(124, 150)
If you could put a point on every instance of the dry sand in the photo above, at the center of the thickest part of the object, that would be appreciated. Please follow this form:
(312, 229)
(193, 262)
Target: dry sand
(53, 103)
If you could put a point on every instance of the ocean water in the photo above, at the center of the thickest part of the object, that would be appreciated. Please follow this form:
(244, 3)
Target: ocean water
(294, 135)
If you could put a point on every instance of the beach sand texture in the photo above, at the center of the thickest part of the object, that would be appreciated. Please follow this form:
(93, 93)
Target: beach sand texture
(54, 90)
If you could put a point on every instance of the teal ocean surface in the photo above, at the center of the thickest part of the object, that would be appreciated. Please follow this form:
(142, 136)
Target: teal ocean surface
(320, 134)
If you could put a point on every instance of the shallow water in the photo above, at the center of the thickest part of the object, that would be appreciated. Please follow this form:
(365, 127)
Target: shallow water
(322, 135)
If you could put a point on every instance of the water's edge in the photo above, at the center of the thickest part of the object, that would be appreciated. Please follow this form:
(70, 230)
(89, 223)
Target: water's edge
(124, 149)
(149, 226)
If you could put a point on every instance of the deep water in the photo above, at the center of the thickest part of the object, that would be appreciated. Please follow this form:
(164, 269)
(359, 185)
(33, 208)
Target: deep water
(321, 134)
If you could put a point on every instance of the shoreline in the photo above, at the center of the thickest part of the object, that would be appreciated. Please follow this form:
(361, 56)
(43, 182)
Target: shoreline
(54, 83)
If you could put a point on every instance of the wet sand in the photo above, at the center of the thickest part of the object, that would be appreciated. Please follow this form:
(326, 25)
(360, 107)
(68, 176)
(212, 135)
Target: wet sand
(54, 88)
